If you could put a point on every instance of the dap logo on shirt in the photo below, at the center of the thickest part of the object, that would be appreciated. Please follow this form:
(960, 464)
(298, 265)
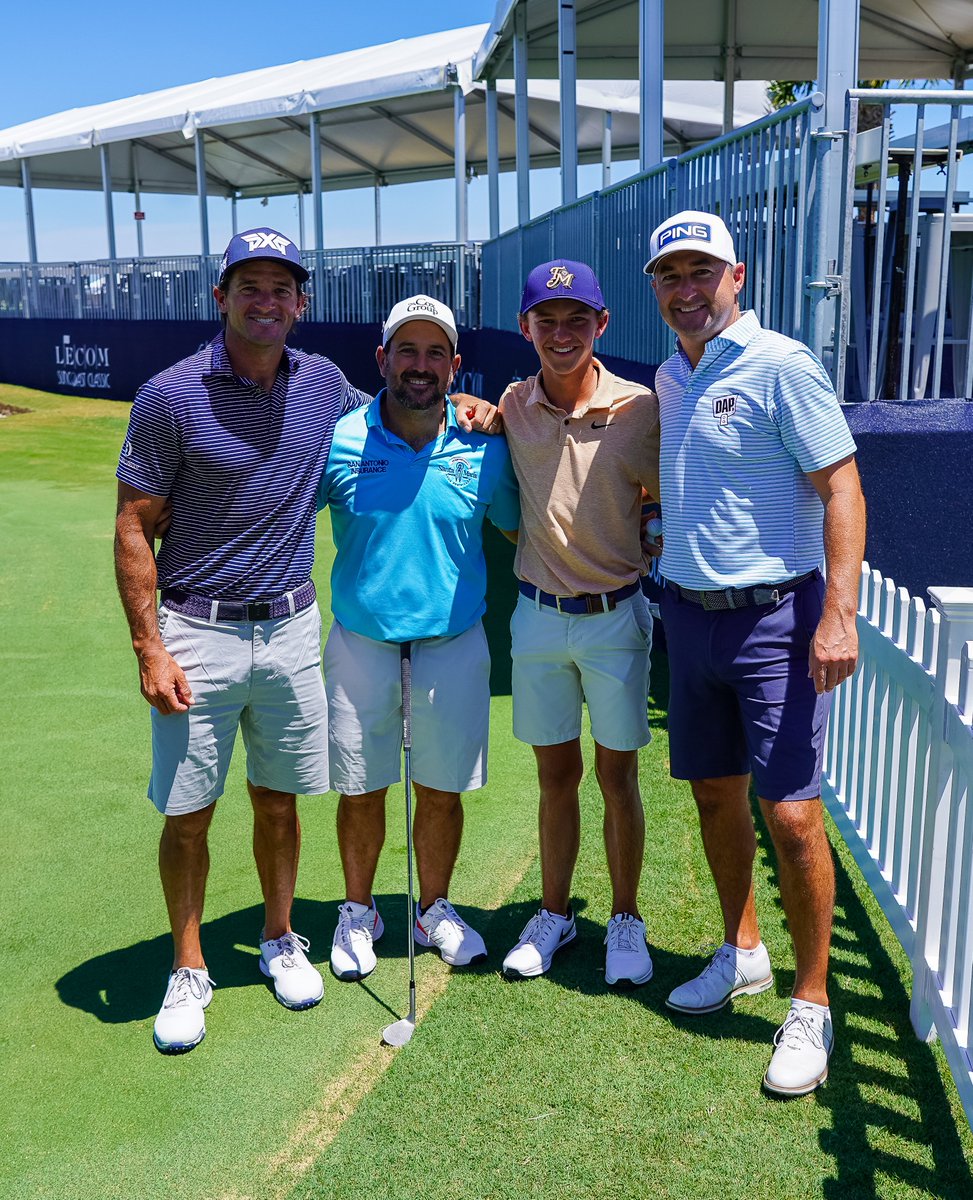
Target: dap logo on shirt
(457, 471)
(560, 277)
(692, 229)
(266, 241)
(723, 408)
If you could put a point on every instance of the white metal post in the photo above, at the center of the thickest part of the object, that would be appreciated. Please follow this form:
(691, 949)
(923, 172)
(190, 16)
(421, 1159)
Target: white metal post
(493, 157)
(29, 210)
(568, 99)
(136, 189)
(521, 117)
(651, 71)
(201, 194)
(838, 24)
(729, 63)
(378, 212)
(109, 207)
(317, 204)
(459, 162)
(606, 148)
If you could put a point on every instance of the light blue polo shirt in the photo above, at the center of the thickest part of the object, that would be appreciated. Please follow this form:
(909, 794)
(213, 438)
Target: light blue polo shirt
(408, 525)
(739, 434)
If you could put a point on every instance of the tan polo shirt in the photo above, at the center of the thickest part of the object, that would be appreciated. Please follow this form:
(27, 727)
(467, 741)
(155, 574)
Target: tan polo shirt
(581, 478)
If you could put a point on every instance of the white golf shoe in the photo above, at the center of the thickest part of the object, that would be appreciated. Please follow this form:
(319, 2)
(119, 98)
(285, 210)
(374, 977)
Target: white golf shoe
(803, 1047)
(181, 1022)
(730, 972)
(442, 927)
(627, 959)
(297, 984)
(544, 934)
(352, 955)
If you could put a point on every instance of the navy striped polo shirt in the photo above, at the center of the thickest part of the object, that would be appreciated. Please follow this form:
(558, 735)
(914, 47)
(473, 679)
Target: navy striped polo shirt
(241, 468)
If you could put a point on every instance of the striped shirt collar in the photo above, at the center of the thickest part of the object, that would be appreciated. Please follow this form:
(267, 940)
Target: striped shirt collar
(220, 360)
(739, 333)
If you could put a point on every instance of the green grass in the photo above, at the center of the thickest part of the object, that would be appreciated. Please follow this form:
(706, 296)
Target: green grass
(554, 1087)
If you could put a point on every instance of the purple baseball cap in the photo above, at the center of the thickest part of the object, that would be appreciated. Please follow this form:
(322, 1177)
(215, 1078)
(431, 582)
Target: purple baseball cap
(265, 243)
(562, 280)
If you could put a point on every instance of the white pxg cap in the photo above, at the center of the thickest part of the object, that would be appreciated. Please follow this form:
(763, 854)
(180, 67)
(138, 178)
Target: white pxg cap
(690, 230)
(420, 308)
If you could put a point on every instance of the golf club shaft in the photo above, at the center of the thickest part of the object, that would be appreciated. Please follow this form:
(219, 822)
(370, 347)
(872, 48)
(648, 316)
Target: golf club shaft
(406, 671)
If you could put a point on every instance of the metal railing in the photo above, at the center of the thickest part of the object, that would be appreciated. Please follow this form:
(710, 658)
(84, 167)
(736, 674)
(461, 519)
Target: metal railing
(907, 253)
(358, 285)
(765, 168)
(898, 780)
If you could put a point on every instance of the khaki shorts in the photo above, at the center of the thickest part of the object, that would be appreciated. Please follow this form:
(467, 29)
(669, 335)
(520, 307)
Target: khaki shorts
(263, 676)
(450, 711)
(562, 660)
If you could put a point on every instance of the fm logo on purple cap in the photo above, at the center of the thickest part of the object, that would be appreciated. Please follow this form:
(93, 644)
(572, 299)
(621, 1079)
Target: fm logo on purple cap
(560, 277)
(675, 233)
(266, 241)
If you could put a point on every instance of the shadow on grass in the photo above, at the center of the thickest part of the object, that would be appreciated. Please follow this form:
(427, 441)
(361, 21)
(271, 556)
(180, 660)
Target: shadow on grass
(127, 984)
(883, 1083)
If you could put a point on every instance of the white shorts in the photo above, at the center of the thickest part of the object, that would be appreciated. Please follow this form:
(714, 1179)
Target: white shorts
(450, 711)
(562, 660)
(264, 677)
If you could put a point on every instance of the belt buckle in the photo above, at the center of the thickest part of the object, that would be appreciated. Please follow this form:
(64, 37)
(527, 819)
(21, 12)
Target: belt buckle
(259, 611)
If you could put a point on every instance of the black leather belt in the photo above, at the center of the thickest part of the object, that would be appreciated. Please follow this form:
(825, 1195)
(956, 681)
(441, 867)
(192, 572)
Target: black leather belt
(240, 610)
(726, 599)
(596, 602)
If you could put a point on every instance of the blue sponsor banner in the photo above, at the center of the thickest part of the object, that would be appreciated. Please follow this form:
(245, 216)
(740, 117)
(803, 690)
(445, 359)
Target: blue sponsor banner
(914, 458)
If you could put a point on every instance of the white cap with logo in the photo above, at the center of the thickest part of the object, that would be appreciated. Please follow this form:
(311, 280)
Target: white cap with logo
(691, 230)
(420, 308)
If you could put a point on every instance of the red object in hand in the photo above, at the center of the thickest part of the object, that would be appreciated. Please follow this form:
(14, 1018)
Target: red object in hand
(470, 412)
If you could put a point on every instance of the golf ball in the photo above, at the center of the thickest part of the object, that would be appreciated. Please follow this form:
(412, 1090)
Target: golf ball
(654, 527)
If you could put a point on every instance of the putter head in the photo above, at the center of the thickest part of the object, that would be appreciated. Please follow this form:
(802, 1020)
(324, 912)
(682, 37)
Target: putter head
(399, 1033)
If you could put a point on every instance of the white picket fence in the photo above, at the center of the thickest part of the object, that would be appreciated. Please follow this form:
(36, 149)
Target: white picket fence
(898, 777)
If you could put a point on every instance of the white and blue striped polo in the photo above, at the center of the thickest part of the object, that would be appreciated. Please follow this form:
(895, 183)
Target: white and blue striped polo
(241, 468)
(408, 526)
(739, 434)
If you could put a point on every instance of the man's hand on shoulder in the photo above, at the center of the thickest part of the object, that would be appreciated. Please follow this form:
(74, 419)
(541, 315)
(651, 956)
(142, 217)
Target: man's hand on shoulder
(834, 650)
(475, 415)
(163, 681)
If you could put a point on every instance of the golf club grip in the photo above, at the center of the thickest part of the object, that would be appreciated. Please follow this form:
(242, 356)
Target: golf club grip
(406, 666)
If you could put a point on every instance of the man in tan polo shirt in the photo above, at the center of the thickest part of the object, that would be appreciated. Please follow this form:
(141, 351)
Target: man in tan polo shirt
(584, 445)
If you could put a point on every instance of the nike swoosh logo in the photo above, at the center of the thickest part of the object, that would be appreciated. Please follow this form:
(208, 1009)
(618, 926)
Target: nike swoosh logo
(606, 425)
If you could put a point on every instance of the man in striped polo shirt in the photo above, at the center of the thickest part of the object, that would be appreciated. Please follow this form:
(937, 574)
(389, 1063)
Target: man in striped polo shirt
(236, 437)
(759, 485)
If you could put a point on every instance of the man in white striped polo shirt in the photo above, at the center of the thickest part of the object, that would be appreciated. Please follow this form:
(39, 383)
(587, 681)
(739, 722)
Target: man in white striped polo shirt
(759, 485)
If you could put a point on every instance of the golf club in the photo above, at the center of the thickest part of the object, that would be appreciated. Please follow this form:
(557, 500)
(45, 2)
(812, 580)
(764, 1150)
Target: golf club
(400, 1032)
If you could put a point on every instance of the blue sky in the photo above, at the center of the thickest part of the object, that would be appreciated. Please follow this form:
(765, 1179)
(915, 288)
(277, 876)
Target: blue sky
(70, 55)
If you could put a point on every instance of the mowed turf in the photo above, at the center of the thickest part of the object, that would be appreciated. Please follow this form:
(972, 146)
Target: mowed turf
(553, 1087)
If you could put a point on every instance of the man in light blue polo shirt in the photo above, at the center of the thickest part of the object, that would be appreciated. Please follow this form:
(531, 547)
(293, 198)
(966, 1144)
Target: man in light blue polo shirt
(759, 486)
(409, 492)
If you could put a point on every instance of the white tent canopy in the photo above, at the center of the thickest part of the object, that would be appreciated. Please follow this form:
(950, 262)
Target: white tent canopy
(385, 114)
(914, 39)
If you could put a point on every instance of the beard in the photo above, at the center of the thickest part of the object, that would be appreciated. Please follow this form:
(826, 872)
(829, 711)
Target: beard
(403, 395)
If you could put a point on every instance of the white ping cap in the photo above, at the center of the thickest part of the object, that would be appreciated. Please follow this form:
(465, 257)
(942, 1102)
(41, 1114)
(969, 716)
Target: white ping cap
(691, 230)
(420, 308)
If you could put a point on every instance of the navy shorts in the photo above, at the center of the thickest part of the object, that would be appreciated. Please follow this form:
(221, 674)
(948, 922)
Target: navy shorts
(740, 698)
